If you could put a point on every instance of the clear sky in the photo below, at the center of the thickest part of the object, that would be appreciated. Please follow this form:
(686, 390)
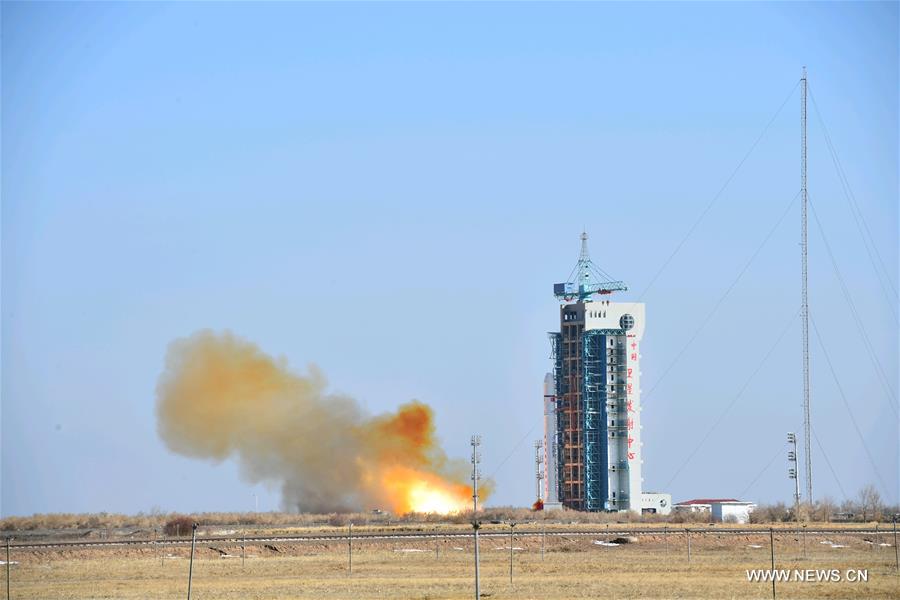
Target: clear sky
(389, 191)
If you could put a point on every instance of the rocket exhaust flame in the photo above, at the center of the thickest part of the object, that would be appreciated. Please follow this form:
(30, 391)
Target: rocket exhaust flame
(221, 397)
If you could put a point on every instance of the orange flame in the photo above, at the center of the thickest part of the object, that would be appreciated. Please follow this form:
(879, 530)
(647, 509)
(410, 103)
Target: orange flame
(410, 490)
(411, 472)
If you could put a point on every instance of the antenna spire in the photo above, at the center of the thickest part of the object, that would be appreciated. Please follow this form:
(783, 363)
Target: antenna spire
(586, 279)
(804, 299)
(585, 255)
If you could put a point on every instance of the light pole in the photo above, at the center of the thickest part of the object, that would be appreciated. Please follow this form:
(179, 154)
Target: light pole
(792, 473)
(476, 459)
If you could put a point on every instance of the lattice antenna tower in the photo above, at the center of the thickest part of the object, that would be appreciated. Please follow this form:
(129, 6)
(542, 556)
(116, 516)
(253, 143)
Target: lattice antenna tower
(804, 305)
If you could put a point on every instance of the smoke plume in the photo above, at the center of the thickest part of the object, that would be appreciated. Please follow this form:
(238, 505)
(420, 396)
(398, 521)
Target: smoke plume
(221, 397)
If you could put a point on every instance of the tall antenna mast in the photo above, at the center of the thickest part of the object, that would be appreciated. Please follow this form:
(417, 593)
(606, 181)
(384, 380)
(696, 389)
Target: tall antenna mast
(804, 305)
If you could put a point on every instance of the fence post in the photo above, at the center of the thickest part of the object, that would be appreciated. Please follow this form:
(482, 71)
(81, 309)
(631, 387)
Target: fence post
(896, 551)
(350, 550)
(543, 539)
(804, 540)
(511, 526)
(772, 547)
(666, 538)
(688, 532)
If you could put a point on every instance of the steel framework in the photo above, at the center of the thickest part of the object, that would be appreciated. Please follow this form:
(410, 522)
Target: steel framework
(804, 306)
(594, 420)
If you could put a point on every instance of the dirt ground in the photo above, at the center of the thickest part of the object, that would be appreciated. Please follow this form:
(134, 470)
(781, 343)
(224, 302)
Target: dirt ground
(569, 567)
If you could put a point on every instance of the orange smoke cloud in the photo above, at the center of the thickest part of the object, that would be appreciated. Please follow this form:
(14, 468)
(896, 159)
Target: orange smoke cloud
(220, 397)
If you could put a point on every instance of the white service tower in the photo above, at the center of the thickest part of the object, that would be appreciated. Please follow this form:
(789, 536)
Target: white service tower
(596, 394)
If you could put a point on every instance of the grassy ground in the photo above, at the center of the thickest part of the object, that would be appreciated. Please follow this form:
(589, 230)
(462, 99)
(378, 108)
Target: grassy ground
(572, 567)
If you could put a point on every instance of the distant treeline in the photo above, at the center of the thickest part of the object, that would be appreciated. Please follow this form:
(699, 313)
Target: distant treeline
(866, 507)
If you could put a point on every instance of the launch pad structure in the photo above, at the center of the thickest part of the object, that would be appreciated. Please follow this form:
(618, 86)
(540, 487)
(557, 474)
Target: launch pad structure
(592, 399)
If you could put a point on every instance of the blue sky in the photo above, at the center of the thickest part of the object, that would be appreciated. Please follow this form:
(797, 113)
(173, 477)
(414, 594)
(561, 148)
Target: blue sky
(389, 191)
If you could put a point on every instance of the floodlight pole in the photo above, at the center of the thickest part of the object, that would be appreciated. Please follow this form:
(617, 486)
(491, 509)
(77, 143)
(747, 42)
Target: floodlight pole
(7, 563)
(794, 473)
(476, 459)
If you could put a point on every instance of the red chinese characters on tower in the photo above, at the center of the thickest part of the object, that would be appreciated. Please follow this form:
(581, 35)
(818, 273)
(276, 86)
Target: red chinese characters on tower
(629, 391)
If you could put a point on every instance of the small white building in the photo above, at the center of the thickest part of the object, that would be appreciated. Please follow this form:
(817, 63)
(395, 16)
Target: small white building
(656, 503)
(732, 512)
(700, 504)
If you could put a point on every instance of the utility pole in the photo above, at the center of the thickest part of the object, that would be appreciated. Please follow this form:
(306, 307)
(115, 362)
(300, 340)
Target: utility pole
(804, 305)
(792, 473)
(511, 526)
(772, 547)
(476, 459)
(539, 469)
(191, 565)
(7, 562)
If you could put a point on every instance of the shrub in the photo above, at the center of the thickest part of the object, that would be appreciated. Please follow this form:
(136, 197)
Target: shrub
(178, 525)
(337, 520)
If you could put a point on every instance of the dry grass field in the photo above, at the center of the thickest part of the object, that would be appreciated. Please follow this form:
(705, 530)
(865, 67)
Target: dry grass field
(571, 567)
